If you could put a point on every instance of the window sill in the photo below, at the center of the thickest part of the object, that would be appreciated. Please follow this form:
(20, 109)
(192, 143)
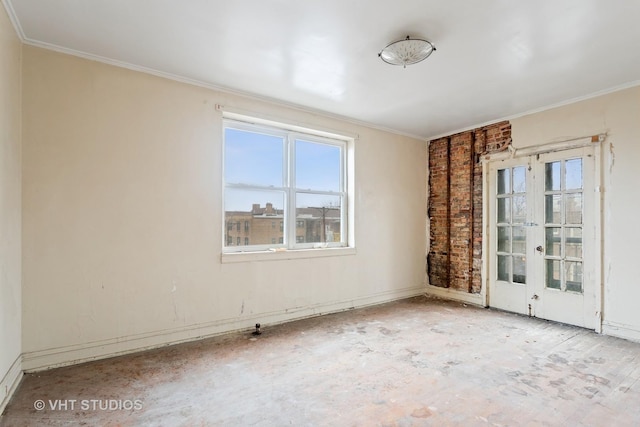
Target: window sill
(280, 255)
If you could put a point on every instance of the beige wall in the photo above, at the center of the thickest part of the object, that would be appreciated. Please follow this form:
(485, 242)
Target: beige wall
(123, 218)
(10, 208)
(617, 114)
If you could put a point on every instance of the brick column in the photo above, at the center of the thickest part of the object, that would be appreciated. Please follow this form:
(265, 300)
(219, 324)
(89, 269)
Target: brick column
(455, 205)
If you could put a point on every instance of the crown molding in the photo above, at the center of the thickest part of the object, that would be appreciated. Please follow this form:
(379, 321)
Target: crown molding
(570, 101)
(14, 19)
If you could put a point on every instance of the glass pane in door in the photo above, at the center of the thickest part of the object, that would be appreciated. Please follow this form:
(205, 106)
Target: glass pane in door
(552, 176)
(553, 208)
(504, 209)
(573, 174)
(519, 179)
(553, 241)
(519, 209)
(573, 242)
(504, 180)
(573, 276)
(573, 208)
(553, 274)
(519, 238)
(503, 268)
(519, 269)
(504, 244)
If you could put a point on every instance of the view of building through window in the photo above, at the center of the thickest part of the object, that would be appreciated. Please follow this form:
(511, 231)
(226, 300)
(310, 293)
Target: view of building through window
(313, 225)
(282, 189)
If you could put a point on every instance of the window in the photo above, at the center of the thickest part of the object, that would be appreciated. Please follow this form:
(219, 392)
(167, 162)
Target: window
(298, 180)
(246, 241)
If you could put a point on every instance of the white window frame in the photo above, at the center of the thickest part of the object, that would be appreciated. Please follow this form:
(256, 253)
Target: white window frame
(290, 134)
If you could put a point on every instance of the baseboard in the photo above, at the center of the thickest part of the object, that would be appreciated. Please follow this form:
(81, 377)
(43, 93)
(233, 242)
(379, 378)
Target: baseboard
(10, 382)
(620, 330)
(74, 354)
(455, 295)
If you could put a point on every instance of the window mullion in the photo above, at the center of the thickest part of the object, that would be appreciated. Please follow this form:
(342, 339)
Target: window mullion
(290, 215)
(253, 187)
(326, 193)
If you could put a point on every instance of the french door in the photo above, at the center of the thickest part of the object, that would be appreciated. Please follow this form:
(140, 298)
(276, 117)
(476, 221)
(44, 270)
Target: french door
(542, 236)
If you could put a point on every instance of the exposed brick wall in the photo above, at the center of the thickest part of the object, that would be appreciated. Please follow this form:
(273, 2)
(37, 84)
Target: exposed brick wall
(455, 205)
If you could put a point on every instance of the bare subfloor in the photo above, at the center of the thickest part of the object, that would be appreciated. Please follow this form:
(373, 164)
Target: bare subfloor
(413, 362)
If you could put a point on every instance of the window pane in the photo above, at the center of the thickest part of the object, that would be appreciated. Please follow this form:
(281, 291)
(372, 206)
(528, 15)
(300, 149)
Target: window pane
(553, 241)
(504, 181)
(553, 208)
(573, 173)
(573, 275)
(503, 268)
(317, 166)
(503, 239)
(519, 210)
(552, 176)
(573, 242)
(519, 179)
(503, 209)
(519, 240)
(553, 274)
(321, 216)
(253, 158)
(260, 209)
(573, 214)
(519, 269)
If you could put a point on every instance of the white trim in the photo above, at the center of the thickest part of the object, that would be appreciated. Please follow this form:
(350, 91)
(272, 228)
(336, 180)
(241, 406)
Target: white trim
(598, 237)
(484, 288)
(621, 330)
(284, 254)
(10, 382)
(567, 144)
(570, 101)
(74, 354)
(211, 86)
(11, 13)
(261, 119)
(455, 295)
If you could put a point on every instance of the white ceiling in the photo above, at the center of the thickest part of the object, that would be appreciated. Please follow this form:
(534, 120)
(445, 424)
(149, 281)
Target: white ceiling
(495, 58)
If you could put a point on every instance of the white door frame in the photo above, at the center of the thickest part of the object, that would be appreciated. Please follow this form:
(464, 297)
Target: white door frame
(591, 141)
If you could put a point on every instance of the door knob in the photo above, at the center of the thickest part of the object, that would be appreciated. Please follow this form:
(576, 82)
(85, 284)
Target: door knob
(539, 248)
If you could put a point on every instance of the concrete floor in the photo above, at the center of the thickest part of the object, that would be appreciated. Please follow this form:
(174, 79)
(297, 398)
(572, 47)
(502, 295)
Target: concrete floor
(413, 362)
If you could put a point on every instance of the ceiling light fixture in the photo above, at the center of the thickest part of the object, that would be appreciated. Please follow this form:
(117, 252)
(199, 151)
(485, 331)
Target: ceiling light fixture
(407, 51)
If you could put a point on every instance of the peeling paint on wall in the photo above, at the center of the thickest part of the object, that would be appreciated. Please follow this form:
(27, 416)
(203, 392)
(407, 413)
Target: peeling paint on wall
(612, 157)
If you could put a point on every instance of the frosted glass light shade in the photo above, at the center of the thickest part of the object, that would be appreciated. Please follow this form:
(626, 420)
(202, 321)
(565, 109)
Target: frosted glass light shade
(407, 52)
